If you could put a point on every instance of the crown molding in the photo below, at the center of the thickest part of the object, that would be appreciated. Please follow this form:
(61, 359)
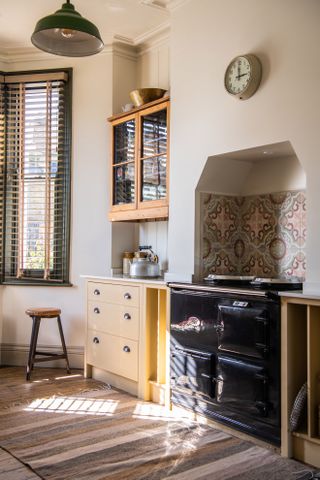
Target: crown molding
(154, 35)
(175, 4)
(31, 54)
(123, 49)
(158, 4)
(164, 5)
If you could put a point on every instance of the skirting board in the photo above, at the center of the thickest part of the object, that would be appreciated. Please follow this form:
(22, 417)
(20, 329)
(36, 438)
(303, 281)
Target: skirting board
(17, 355)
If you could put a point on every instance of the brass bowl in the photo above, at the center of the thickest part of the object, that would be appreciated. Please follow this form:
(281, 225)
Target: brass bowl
(145, 95)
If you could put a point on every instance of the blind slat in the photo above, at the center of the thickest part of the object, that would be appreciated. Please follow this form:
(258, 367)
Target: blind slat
(34, 112)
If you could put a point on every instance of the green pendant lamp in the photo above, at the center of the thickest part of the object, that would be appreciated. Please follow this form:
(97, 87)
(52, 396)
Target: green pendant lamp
(67, 33)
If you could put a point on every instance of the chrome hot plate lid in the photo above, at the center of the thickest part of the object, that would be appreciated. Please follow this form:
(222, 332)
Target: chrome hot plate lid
(255, 282)
(229, 278)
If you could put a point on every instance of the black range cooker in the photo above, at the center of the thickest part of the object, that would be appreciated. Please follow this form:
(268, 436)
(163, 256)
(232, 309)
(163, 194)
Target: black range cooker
(225, 351)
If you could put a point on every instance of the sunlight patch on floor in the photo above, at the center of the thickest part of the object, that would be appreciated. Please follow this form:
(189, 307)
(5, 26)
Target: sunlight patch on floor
(78, 405)
(156, 411)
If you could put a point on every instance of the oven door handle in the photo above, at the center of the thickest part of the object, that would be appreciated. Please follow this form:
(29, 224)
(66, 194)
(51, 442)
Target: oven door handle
(188, 354)
(209, 377)
(263, 405)
(219, 328)
(262, 322)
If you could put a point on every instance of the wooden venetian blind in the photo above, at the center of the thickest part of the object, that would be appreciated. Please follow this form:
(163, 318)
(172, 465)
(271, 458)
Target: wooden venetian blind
(2, 164)
(37, 184)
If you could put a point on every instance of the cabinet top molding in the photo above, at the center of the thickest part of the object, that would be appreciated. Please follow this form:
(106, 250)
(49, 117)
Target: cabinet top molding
(138, 109)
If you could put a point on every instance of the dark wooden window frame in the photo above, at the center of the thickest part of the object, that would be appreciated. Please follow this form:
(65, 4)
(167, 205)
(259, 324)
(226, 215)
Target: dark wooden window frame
(33, 276)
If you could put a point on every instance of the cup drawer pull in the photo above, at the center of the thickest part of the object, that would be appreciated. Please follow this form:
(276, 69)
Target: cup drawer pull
(126, 349)
(96, 292)
(127, 296)
(127, 316)
(96, 340)
(96, 310)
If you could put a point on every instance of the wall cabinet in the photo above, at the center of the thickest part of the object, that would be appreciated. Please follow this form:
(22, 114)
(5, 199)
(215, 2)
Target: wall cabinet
(140, 163)
(126, 341)
(300, 363)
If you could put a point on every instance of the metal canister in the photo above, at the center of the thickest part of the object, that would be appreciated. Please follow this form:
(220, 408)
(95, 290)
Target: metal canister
(126, 261)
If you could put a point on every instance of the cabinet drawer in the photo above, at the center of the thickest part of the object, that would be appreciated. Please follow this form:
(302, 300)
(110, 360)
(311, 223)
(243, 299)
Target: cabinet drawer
(115, 319)
(115, 354)
(111, 293)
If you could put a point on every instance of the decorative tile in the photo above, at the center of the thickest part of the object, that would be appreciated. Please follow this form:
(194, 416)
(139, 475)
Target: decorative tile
(262, 235)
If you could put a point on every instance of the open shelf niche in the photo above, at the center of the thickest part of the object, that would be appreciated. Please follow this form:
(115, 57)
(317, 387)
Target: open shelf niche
(300, 364)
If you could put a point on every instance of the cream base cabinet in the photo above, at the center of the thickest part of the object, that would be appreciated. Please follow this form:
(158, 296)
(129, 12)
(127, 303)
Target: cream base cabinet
(300, 364)
(126, 340)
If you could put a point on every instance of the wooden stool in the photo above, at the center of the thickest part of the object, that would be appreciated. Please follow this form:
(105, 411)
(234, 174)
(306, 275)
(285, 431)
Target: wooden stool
(37, 314)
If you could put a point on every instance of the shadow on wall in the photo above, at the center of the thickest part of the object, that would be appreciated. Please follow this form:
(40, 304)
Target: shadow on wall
(251, 214)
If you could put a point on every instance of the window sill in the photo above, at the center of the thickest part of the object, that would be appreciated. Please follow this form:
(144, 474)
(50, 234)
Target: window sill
(30, 283)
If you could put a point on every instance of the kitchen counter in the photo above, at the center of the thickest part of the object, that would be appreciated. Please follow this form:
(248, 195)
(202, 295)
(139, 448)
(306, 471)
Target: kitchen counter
(300, 294)
(120, 278)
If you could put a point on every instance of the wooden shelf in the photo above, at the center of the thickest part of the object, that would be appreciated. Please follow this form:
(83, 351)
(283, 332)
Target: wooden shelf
(138, 109)
(306, 437)
(300, 363)
(156, 213)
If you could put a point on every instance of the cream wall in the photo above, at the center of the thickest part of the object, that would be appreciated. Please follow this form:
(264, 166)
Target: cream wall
(153, 65)
(206, 121)
(100, 87)
(90, 231)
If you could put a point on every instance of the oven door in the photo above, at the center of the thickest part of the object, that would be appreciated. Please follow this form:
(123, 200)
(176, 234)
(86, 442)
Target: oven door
(192, 371)
(193, 319)
(243, 329)
(242, 386)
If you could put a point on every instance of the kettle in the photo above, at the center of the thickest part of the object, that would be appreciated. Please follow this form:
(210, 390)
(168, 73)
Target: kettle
(144, 264)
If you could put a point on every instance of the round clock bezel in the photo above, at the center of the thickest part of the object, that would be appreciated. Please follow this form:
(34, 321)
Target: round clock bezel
(254, 80)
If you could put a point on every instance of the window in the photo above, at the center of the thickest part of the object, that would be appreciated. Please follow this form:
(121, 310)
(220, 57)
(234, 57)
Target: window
(36, 176)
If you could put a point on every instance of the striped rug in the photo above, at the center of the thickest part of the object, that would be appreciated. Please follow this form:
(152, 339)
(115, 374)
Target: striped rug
(108, 434)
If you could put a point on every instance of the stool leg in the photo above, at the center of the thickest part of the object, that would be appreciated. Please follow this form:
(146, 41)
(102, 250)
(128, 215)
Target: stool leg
(63, 343)
(33, 345)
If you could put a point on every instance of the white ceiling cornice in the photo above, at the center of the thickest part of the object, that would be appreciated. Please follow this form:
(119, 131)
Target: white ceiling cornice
(32, 54)
(175, 4)
(166, 5)
(153, 35)
(146, 42)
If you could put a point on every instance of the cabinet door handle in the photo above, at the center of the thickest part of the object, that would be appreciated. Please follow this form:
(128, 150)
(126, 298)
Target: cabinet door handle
(127, 316)
(96, 310)
(127, 296)
(96, 340)
(126, 349)
(96, 292)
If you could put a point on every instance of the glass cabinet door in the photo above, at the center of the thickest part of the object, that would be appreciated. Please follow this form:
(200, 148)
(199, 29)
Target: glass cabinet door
(153, 156)
(124, 185)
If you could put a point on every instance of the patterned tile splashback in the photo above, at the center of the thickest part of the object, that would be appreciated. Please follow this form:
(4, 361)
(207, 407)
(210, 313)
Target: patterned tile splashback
(261, 235)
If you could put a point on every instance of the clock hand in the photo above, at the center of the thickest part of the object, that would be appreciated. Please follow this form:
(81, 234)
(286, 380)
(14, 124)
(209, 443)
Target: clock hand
(242, 74)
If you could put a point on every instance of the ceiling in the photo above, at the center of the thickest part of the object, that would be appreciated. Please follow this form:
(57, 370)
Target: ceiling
(129, 21)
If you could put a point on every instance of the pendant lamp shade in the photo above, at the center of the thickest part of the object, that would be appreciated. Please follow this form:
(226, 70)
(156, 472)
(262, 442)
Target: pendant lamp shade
(67, 33)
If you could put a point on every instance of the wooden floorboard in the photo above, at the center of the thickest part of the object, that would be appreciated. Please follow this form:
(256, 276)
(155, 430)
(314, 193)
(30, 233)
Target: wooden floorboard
(12, 469)
(15, 390)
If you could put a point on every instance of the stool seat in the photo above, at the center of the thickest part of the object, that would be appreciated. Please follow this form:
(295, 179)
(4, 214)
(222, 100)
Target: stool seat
(43, 312)
(35, 355)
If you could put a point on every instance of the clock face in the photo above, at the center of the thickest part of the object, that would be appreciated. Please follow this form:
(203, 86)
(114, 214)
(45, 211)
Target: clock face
(238, 75)
(243, 76)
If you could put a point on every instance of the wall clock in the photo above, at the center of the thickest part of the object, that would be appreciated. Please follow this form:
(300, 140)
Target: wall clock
(243, 76)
